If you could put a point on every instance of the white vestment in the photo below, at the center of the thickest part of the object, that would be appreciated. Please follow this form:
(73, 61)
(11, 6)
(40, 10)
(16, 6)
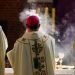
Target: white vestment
(3, 47)
(33, 54)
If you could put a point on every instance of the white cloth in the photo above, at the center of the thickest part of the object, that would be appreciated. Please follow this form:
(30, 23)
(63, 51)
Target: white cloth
(3, 47)
(33, 54)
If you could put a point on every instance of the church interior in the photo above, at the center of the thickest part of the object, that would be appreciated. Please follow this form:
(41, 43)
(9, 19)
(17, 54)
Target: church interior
(59, 23)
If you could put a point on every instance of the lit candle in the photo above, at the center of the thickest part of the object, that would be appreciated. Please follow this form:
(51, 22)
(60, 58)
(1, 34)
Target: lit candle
(53, 19)
(46, 12)
(38, 10)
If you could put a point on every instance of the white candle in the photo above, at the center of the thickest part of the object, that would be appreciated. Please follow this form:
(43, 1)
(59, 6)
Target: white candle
(46, 12)
(53, 19)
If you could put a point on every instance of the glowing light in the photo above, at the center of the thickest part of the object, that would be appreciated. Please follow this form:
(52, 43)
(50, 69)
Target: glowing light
(61, 55)
(56, 59)
(65, 66)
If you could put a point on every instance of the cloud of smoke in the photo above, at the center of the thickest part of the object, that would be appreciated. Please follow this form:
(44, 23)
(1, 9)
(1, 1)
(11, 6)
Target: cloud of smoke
(45, 21)
(67, 29)
(68, 39)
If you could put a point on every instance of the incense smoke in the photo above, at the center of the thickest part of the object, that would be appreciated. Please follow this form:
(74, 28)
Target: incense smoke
(66, 38)
(46, 24)
(65, 35)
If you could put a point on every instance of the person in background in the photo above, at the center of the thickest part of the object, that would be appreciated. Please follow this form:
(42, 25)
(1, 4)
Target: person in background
(3, 47)
(33, 53)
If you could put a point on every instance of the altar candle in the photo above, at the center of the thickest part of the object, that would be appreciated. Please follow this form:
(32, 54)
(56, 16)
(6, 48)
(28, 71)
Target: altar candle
(38, 10)
(46, 12)
(53, 19)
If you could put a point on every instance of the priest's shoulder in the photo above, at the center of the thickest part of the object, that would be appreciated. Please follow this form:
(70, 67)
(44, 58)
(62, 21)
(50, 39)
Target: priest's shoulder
(48, 37)
(22, 40)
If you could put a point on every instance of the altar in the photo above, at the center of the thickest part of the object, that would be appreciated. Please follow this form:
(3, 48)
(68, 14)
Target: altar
(9, 71)
(65, 72)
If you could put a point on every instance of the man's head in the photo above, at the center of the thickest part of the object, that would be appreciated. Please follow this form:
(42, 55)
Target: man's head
(33, 23)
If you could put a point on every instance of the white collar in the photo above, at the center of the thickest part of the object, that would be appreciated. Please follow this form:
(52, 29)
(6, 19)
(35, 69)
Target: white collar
(31, 35)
